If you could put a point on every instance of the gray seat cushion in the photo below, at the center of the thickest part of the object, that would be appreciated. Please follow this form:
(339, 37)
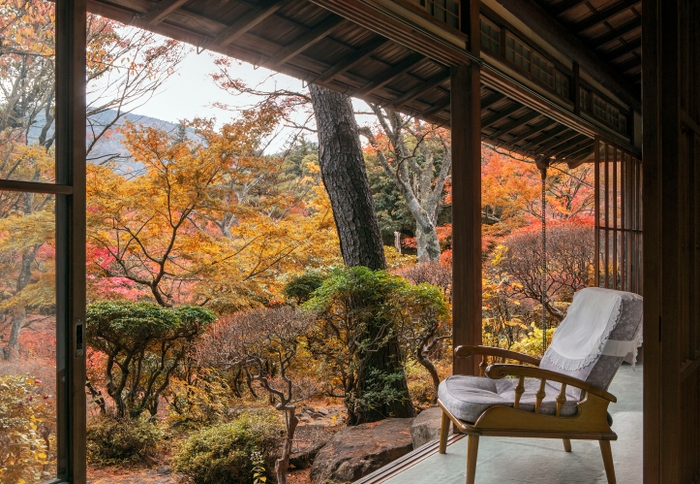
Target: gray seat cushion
(467, 397)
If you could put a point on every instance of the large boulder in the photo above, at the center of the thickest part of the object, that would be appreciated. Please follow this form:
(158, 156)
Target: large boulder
(426, 426)
(357, 451)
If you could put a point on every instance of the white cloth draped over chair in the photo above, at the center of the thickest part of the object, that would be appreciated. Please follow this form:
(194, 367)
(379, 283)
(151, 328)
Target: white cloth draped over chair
(565, 397)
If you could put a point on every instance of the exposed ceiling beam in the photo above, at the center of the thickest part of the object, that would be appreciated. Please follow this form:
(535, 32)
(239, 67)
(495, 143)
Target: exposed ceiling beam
(603, 15)
(553, 32)
(635, 61)
(616, 33)
(532, 131)
(544, 137)
(247, 21)
(303, 42)
(575, 159)
(437, 107)
(399, 69)
(162, 10)
(564, 6)
(353, 59)
(497, 116)
(623, 50)
(515, 124)
(573, 146)
(435, 80)
(562, 142)
(491, 100)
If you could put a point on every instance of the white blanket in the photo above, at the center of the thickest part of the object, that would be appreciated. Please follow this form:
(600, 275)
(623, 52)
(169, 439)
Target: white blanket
(582, 336)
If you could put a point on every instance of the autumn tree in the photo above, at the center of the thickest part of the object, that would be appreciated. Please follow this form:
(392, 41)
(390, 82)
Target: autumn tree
(263, 348)
(210, 221)
(570, 256)
(417, 157)
(124, 68)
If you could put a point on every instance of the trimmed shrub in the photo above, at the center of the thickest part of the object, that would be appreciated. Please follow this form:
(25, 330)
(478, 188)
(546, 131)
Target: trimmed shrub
(112, 440)
(230, 453)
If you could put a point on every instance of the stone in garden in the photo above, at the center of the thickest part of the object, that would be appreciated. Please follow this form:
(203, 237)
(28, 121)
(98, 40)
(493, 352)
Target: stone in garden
(426, 426)
(357, 451)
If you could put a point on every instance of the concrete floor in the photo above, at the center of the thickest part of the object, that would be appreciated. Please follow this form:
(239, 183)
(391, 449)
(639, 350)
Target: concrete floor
(540, 461)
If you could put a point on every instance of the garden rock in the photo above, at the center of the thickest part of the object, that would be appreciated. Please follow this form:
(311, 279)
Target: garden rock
(426, 426)
(357, 451)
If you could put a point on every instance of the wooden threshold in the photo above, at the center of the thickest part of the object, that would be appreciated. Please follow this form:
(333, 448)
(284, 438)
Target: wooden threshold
(409, 460)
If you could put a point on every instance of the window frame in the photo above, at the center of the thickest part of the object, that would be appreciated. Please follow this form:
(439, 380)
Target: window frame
(69, 190)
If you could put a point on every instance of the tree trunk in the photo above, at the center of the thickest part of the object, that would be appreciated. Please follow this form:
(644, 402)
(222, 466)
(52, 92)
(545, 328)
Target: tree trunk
(344, 176)
(427, 243)
(282, 464)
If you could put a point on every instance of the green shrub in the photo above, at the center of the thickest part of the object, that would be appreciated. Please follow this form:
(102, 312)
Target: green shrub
(112, 440)
(147, 344)
(225, 454)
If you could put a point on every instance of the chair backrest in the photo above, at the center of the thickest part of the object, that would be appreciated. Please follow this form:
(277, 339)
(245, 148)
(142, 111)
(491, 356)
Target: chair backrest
(600, 328)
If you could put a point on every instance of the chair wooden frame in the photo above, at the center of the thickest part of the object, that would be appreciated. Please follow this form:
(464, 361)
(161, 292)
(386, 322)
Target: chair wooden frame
(590, 422)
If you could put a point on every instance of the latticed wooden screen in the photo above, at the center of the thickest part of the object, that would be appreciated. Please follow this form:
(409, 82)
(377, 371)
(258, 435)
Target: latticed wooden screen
(618, 218)
(444, 10)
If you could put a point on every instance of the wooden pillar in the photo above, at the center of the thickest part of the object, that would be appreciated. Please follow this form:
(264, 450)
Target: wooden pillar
(466, 196)
(70, 238)
(671, 177)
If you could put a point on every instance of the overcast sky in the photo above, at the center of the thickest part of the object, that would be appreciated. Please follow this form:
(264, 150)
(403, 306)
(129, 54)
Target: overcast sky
(191, 92)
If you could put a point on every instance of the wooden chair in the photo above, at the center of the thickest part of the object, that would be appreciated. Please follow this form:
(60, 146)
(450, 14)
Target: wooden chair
(563, 395)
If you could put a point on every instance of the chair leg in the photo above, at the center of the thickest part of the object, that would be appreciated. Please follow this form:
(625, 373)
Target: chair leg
(472, 452)
(608, 461)
(567, 445)
(444, 430)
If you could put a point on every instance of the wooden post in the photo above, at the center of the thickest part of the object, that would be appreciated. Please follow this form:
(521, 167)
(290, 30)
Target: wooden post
(466, 199)
(70, 238)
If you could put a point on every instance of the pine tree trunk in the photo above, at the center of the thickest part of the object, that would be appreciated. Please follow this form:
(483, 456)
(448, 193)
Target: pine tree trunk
(344, 176)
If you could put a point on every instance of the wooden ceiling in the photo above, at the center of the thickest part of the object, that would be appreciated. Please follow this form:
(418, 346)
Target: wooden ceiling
(306, 41)
(612, 29)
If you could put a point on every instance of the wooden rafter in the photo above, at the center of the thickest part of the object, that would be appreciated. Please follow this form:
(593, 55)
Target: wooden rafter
(437, 107)
(573, 146)
(544, 137)
(635, 61)
(514, 124)
(247, 21)
(562, 143)
(435, 80)
(491, 100)
(399, 69)
(603, 15)
(564, 6)
(552, 31)
(497, 116)
(353, 59)
(616, 33)
(623, 50)
(162, 10)
(532, 131)
(304, 42)
(580, 155)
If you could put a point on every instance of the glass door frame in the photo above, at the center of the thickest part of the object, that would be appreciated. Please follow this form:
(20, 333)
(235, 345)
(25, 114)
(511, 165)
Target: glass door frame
(69, 190)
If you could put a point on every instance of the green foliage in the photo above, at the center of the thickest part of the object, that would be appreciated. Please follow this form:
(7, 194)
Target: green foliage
(301, 287)
(24, 414)
(232, 453)
(145, 345)
(361, 310)
(114, 441)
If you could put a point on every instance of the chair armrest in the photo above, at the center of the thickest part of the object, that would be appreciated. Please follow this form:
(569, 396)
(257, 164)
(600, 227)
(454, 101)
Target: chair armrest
(467, 351)
(501, 371)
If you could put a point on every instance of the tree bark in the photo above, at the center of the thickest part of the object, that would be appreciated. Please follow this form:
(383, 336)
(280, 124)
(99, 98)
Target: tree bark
(344, 176)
